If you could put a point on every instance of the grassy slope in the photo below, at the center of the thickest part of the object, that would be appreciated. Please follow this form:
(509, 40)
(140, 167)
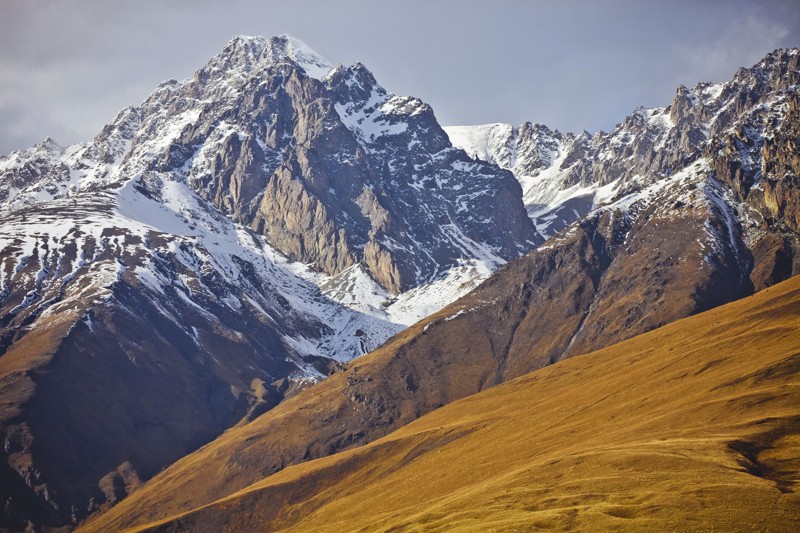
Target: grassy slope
(694, 426)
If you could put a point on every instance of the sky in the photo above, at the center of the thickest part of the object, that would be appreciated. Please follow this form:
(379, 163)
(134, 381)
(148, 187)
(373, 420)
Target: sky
(67, 67)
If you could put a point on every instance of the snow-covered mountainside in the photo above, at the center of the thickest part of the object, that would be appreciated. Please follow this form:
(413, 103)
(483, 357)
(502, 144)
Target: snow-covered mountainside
(564, 176)
(236, 236)
(715, 227)
(246, 231)
(270, 144)
(321, 160)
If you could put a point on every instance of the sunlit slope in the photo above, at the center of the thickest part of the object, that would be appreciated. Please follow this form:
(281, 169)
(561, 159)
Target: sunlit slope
(694, 426)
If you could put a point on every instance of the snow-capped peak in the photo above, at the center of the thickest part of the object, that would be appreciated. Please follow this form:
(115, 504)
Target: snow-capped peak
(285, 47)
(49, 144)
(252, 52)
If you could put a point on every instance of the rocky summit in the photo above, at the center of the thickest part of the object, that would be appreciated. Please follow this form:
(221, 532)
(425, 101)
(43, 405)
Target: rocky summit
(321, 160)
(653, 248)
(232, 239)
(191, 276)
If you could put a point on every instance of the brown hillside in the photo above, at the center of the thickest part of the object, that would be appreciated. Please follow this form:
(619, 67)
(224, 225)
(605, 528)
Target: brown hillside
(693, 205)
(526, 316)
(694, 426)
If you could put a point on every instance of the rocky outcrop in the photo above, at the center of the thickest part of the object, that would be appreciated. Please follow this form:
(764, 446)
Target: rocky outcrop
(757, 159)
(564, 176)
(781, 168)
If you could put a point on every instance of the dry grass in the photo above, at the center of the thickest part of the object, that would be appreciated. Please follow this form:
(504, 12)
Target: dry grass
(695, 426)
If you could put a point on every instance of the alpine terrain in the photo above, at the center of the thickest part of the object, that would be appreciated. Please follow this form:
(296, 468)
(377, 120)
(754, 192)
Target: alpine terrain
(692, 427)
(188, 300)
(678, 210)
(235, 237)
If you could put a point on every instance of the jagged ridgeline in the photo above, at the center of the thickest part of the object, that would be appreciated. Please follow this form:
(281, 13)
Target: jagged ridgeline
(656, 245)
(233, 238)
(248, 231)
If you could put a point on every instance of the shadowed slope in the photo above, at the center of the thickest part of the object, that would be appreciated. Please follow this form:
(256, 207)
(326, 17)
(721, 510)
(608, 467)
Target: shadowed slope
(696, 424)
(697, 233)
(158, 264)
(528, 315)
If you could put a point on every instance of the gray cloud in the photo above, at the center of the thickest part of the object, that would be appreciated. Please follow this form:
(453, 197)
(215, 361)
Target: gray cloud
(66, 68)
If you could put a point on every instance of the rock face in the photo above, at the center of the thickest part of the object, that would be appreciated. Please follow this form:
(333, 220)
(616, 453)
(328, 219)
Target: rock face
(332, 169)
(656, 249)
(564, 176)
(781, 168)
(149, 297)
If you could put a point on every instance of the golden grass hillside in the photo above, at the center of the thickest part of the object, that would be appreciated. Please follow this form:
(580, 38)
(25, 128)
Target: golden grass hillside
(523, 318)
(692, 427)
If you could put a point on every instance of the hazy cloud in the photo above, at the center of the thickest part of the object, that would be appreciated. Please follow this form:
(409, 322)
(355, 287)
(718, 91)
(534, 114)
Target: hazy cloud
(66, 68)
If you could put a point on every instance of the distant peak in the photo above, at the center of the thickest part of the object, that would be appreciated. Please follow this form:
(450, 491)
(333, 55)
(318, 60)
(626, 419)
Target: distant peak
(284, 47)
(250, 51)
(49, 144)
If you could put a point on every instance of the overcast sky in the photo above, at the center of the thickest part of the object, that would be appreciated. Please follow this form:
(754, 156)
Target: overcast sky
(67, 67)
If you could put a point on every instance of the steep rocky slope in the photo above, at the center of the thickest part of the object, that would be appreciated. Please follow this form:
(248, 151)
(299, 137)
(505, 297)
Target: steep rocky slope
(214, 250)
(321, 160)
(682, 244)
(565, 175)
(694, 426)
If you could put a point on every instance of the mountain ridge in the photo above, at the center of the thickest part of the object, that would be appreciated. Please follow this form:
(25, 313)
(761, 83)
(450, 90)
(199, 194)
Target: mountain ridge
(168, 255)
(231, 238)
(566, 175)
(683, 244)
(705, 404)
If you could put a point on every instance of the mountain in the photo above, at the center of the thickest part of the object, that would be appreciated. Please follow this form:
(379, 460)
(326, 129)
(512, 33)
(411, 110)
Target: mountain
(218, 248)
(693, 426)
(565, 176)
(321, 160)
(657, 250)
